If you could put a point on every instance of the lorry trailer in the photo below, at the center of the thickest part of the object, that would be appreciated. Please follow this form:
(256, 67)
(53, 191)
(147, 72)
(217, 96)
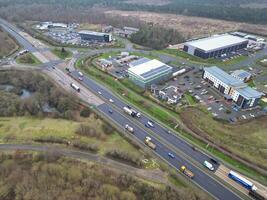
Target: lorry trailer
(149, 143)
(75, 87)
(186, 172)
(129, 128)
(131, 112)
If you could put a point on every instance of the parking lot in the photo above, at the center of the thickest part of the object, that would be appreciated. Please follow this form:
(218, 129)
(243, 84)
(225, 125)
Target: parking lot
(208, 96)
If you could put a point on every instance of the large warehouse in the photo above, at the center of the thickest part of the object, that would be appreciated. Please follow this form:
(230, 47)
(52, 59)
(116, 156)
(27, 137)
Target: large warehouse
(215, 46)
(144, 72)
(95, 36)
(232, 88)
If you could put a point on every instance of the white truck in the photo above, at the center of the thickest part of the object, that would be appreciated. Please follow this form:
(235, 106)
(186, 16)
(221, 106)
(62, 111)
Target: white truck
(129, 128)
(75, 87)
(131, 112)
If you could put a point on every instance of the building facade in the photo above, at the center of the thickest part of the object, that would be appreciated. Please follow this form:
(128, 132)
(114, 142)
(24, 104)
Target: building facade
(232, 88)
(145, 72)
(95, 36)
(215, 46)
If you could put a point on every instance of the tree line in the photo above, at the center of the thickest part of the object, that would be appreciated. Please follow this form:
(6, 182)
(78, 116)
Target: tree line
(218, 9)
(156, 37)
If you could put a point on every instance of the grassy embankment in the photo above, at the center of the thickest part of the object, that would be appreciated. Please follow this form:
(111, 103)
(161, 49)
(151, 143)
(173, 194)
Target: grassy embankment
(62, 53)
(28, 58)
(7, 44)
(28, 129)
(210, 61)
(165, 116)
(245, 140)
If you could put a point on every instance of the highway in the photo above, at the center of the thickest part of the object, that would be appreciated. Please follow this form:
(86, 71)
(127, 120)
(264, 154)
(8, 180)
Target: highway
(183, 152)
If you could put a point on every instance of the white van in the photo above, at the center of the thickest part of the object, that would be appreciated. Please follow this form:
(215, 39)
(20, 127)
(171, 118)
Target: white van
(208, 165)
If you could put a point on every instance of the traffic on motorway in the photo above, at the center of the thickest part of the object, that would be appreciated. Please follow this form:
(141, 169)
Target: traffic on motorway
(180, 161)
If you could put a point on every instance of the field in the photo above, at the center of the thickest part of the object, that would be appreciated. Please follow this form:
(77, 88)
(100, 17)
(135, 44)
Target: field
(247, 140)
(26, 175)
(62, 53)
(7, 44)
(191, 27)
(28, 59)
(26, 129)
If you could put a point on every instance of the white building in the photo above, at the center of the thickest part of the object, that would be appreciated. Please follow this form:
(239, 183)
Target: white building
(145, 72)
(232, 88)
(215, 46)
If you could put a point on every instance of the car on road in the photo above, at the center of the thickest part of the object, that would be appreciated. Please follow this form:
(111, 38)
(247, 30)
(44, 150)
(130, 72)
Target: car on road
(110, 111)
(171, 155)
(111, 100)
(80, 78)
(99, 92)
(208, 165)
(80, 74)
(150, 123)
(146, 124)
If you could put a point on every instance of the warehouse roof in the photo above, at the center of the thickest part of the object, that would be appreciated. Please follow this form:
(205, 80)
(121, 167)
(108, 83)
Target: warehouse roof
(147, 68)
(216, 42)
(224, 77)
(92, 33)
(249, 92)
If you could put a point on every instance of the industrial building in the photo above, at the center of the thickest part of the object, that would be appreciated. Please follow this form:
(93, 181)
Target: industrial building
(95, 36)
(144, 72)
(232, 88)
(242, 75)
(215, 46)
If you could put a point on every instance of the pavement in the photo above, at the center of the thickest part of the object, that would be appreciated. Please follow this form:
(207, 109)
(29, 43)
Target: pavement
(183, 152)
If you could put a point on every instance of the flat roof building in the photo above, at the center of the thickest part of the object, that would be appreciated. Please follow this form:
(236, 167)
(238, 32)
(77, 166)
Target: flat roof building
(242, 75)
(95, 36)
(215, 46)
(243, 96)
(145, 72)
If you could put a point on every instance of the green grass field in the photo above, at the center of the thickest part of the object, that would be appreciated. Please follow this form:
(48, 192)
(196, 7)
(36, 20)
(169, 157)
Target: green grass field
(62, 54)
(7, 44)
(26, 129)
(28, 59)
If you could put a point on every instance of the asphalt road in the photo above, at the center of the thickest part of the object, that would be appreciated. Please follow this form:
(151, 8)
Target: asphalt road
(202, 178)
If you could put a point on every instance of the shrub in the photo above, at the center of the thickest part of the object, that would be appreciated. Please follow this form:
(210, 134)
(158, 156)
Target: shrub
(125, 156)
(85, 146)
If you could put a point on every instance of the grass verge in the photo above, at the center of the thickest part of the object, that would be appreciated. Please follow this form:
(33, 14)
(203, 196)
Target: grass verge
(62, 53)
(29, 59)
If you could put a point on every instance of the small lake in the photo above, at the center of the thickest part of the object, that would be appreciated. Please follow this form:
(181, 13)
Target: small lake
(24, 93)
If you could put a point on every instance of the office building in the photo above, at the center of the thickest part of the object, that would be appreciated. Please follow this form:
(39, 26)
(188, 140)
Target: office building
(95, 36)
(232, 88)
(144, 72)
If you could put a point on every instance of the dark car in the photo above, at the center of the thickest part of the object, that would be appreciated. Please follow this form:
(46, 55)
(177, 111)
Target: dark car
(214, 160)
(110, 111)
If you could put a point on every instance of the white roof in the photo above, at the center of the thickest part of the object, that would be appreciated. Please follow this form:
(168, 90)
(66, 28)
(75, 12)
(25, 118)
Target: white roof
(92, 33)
(146, 67)
(216, 42)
